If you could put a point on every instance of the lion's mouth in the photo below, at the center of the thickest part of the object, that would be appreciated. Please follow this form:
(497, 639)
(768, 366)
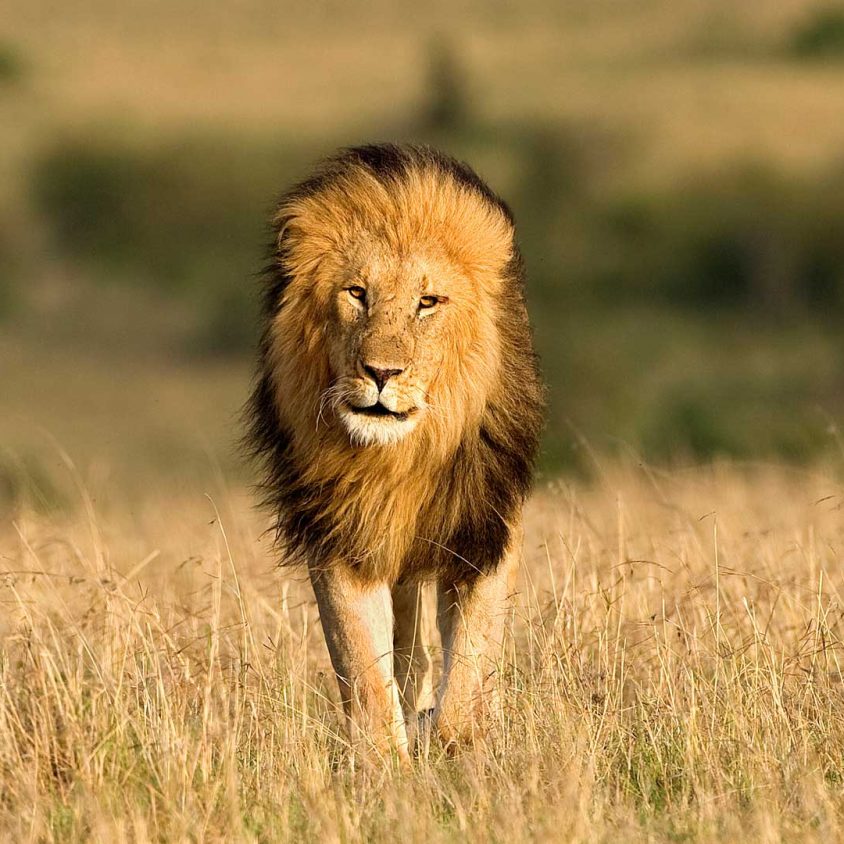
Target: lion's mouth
(378, 411)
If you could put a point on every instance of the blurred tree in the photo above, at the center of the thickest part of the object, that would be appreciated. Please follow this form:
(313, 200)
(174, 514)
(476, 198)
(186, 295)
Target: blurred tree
(447, 107)
(11, 63)
(821, 35)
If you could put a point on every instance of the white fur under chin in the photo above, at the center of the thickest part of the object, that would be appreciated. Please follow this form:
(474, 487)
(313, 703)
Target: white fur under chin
(364, 431)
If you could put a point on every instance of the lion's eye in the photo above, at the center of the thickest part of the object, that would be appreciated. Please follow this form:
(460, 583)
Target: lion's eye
(357, 293)
(428, 302)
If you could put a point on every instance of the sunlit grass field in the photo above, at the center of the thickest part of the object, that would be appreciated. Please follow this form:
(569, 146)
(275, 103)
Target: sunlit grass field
(673, 665)
(674, 672)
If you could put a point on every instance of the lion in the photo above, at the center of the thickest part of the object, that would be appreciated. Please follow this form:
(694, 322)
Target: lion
(396, 414)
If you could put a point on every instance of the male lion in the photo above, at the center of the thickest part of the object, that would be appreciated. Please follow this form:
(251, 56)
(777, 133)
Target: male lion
(396, 412)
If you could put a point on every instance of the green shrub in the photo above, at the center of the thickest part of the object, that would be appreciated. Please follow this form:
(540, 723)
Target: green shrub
(11, 64)
(750, 240)
(10, 269)
(821, 35)
(447, 108)
(230, 322)
(186, 218)
(734, 416)
(190, 214)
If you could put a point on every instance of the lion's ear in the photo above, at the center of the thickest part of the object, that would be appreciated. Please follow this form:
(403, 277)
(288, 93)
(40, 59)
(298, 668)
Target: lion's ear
(304, 251)
(277, 276)
(281, 221)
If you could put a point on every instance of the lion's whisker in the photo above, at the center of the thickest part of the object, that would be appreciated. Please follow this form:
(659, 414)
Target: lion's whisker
(331, 394)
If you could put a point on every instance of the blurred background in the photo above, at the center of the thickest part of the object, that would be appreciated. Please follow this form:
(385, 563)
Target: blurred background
(676, 168)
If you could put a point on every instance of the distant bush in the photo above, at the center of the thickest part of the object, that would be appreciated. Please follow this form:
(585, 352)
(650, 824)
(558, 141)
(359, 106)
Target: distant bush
(731, 417)
(447, 107)
(7, 297)
(821, 35)
(229, 324)
(187, 218)
(178, 216)
(9, 270)
(11, 63)
(748, 240)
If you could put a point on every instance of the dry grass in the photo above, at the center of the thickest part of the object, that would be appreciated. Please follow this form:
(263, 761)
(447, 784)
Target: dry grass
(674, 673)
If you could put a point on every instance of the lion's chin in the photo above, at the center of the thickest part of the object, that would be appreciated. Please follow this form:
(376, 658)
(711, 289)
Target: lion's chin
(368, 429)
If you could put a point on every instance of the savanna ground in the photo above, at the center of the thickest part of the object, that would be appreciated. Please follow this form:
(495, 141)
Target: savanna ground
(674, 672)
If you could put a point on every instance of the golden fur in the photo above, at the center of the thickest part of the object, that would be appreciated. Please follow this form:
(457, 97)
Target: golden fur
(396, 496)
(397, 412)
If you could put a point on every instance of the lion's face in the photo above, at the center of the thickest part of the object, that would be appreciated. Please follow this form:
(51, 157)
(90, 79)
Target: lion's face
(387, 325)
(392, 322)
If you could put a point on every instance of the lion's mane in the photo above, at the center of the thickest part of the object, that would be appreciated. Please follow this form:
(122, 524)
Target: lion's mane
(443, 502)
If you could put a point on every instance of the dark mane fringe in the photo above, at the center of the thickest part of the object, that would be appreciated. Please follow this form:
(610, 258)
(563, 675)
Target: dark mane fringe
(491, 472)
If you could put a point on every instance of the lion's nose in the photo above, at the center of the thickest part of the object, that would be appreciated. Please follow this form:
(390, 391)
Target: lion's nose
(380, 376)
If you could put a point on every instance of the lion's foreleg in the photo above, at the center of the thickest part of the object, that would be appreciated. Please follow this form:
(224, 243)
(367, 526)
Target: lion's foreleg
(412, 658)
(357, 620)
(471, 619)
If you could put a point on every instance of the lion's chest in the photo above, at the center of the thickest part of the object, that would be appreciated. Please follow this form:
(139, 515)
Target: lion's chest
(390, 519)
(383, 525)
